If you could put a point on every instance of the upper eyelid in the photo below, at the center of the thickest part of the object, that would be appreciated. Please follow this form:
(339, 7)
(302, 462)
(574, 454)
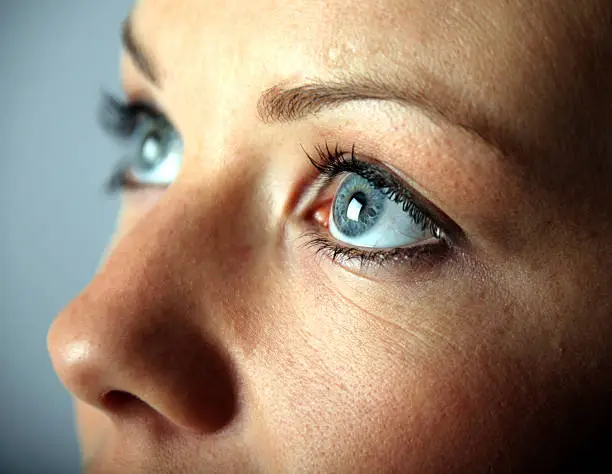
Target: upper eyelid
(385, 171)
(323, 179)
(418, 197)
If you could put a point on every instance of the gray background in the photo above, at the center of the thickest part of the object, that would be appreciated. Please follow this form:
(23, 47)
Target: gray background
(55, 55)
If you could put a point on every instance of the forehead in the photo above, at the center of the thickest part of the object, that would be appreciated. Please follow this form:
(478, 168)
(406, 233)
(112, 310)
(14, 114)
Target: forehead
(341, 34)
(516, 67)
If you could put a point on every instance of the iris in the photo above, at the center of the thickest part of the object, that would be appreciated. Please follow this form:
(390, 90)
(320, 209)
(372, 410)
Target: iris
(358, 206)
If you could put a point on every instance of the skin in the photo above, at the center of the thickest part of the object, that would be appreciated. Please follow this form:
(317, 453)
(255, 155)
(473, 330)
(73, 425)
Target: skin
(212, 340)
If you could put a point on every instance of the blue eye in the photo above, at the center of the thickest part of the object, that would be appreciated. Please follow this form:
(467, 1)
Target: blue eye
(156, 153)
(155, 148)
(363, 215)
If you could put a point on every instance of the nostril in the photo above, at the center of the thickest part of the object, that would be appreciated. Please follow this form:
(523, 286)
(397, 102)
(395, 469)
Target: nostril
(118, 401)
(121, 405)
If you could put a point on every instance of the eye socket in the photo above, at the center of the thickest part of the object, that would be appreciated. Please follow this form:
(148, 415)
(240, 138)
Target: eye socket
(156, 153)
(363, 215)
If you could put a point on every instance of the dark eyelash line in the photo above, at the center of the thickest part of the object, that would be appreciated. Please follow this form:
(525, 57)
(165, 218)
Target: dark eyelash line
(331, 163)
(120, 118)
(416, 257)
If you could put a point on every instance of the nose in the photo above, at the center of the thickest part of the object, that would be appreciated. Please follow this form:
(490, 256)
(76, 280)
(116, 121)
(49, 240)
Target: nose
(139, 341)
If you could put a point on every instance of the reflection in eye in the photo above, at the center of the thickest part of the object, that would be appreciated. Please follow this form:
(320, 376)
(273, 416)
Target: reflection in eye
(364, 216)
(155, 149)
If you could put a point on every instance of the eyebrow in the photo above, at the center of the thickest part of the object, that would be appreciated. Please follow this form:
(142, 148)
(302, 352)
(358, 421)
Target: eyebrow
(282, 103)
(286, 104)
(137, 52)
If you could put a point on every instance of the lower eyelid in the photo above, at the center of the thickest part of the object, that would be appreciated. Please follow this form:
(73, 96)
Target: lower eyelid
(420, 263)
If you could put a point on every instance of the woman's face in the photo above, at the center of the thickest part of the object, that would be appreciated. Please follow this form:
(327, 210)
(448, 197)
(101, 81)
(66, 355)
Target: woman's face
(431, 297)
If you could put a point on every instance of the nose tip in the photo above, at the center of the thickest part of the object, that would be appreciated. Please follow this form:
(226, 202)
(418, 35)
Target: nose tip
(71, 359)
(164, 369)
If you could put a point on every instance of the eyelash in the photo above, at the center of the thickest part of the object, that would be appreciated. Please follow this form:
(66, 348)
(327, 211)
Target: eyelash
(120, 119)
(331, 163)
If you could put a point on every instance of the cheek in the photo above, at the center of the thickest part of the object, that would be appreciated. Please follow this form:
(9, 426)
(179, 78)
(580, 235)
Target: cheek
(351, 407)
(345, 388)
(338, 392)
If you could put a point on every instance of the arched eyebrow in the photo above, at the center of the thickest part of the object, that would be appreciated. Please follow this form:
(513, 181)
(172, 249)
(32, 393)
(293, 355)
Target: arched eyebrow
(287, 103)
(290, 103)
